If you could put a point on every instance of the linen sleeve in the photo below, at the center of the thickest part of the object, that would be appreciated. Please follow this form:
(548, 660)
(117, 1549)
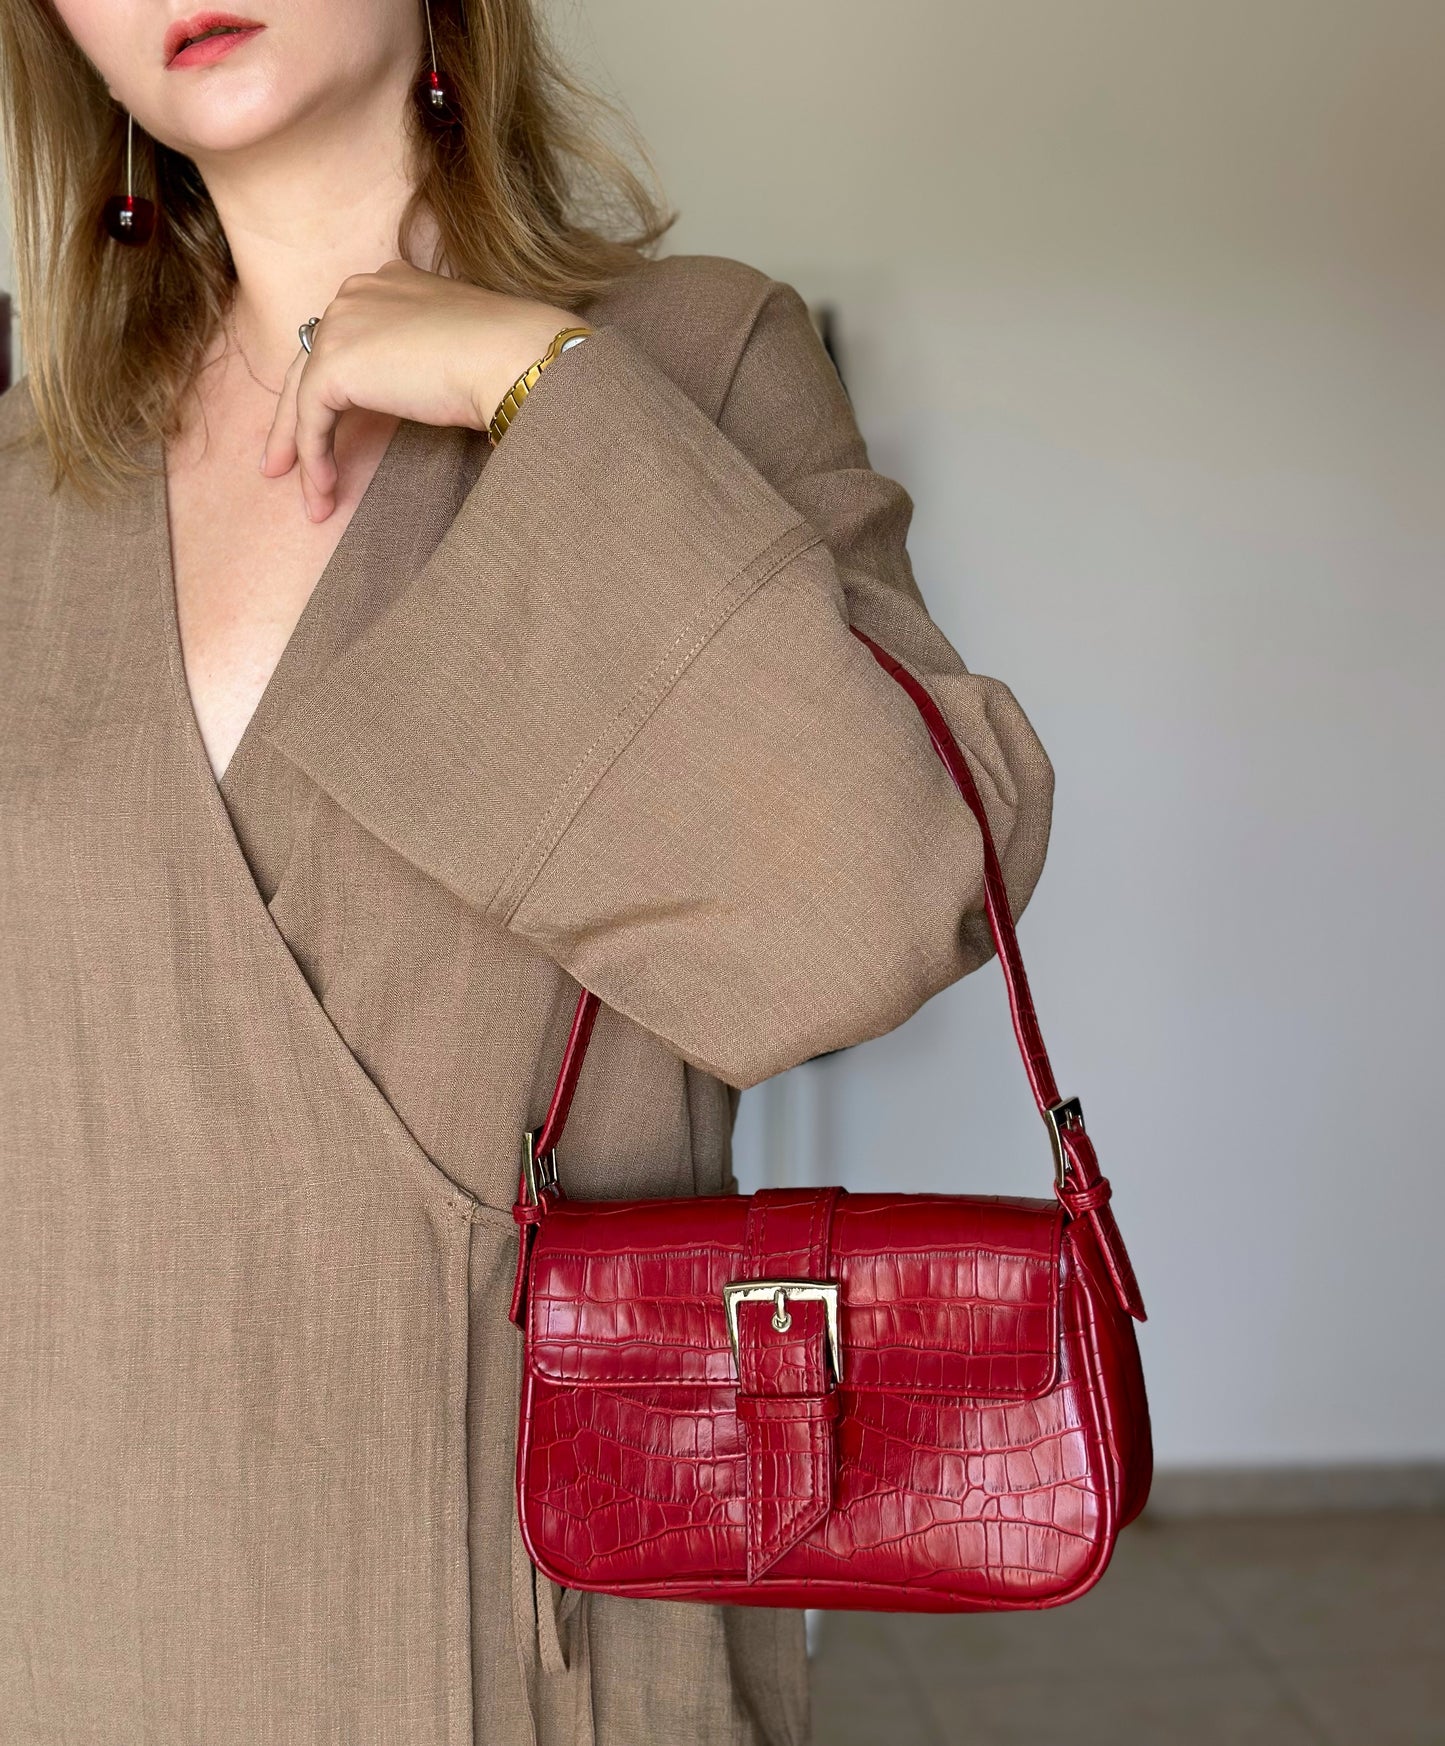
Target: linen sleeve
(622, 710)
(775, 863)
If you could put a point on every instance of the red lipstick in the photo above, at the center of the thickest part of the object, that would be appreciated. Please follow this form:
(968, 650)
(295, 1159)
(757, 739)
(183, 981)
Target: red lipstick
(181, 48)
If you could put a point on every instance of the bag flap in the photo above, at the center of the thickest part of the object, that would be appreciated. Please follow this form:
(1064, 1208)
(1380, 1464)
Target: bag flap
(939, 1294)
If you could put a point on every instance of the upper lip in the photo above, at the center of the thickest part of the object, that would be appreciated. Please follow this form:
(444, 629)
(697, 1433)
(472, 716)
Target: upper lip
(181, 32)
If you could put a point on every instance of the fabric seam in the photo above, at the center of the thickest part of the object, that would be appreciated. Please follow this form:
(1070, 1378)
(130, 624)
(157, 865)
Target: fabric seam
(644, 699)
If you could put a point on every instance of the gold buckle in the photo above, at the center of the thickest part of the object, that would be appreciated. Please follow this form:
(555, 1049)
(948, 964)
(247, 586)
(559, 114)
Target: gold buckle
(780, 1290)
(540, 1173)
(1067, 1113)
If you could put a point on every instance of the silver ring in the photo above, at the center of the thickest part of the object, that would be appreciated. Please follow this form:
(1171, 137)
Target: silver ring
(306, 329)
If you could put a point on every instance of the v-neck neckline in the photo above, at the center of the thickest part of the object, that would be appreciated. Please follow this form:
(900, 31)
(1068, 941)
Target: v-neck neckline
(362, 519)
(207, 803)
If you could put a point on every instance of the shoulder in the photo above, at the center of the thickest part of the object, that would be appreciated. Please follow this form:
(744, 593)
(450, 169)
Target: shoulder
(710, 288)
(17, 413)
(21, 446)
(28, 503)
(691, 314)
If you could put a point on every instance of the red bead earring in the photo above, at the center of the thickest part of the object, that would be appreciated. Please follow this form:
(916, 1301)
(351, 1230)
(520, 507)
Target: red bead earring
(432, 97)
(129, 217)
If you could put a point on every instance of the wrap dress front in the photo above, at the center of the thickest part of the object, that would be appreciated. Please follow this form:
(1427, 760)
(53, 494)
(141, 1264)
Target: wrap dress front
(583, 710)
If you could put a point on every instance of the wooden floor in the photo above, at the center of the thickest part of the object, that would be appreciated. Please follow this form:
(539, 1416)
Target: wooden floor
(1277, 1631)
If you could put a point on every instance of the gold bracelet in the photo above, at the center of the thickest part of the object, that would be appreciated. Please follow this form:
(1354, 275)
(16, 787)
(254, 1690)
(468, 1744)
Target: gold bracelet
(517, 393)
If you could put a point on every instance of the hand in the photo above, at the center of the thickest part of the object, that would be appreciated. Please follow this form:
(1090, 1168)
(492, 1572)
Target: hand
(410, 343)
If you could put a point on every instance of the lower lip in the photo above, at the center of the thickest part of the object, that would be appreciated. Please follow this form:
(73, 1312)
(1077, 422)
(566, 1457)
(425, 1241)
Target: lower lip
(212, 48)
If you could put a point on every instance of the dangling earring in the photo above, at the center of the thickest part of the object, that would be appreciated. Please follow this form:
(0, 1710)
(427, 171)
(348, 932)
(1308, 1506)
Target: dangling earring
(431, 94)
(130, 218)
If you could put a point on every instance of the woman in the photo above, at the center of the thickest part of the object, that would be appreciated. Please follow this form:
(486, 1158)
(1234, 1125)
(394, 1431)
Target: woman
(327, 782)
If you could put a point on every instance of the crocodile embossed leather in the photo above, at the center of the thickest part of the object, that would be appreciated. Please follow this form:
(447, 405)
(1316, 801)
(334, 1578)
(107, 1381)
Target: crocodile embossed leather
(809, 1397)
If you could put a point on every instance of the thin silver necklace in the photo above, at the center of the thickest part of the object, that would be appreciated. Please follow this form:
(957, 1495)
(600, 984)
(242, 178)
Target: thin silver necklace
(231, 324)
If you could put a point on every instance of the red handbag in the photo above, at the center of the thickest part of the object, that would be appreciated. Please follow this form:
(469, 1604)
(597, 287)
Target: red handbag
(808, 1397)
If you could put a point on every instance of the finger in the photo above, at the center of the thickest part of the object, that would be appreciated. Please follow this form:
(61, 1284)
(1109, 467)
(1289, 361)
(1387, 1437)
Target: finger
(278, 456)
(317, 413)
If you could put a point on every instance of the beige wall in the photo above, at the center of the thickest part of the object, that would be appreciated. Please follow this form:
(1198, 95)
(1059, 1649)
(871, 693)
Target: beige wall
(1144, 302)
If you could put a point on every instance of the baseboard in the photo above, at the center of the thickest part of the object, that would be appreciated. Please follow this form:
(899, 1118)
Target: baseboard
(1179, 1493)
(1267, 1491)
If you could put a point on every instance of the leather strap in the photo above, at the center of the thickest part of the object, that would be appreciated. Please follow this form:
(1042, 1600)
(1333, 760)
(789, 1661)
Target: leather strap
(787, 1399)
(1084, 1192)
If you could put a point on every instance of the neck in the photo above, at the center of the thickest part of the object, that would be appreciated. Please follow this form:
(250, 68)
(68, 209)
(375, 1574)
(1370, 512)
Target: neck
(305, 209)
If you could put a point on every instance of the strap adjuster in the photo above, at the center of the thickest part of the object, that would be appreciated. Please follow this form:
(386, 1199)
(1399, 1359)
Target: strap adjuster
(539, 1174)
(1067, 1113)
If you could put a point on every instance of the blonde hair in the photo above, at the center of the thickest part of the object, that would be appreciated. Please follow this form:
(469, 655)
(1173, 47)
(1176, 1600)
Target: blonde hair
(529, 197)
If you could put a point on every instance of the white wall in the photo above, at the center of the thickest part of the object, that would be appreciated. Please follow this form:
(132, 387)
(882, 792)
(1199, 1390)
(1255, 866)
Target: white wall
(1145, 302)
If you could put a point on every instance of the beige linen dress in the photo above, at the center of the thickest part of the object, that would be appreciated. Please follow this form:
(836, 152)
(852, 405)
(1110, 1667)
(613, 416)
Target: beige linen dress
(581, 710)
